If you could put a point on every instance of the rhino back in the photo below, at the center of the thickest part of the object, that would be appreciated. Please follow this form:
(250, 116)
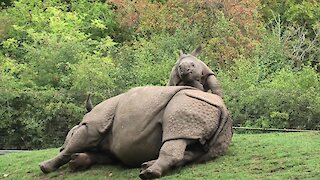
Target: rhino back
(137, 126)
(192, 114)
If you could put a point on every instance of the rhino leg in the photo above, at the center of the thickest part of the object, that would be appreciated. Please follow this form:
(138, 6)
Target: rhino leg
(78, 142)
(196, 84)
(147, 164)
(171, 153)
(214, 85)
(82, 161)
(189, 156)
(220, 146)
(54, 163)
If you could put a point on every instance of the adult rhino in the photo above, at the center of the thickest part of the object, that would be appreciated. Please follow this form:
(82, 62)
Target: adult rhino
(156, 128)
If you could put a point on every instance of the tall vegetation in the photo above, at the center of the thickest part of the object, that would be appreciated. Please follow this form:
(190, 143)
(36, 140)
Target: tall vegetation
(53, 53)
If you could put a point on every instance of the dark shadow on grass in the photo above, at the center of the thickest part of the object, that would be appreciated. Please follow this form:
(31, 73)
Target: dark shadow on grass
(115, 170)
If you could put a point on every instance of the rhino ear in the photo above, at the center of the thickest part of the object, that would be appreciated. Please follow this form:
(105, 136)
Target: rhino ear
(181, 53)
(174, 77)
(88, 103)
(196, 51)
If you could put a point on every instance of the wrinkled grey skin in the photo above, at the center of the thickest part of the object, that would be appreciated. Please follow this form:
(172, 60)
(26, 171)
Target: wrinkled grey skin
(190, 71)
(156, 128)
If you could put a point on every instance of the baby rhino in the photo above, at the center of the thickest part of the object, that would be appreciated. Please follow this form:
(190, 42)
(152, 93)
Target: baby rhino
(190, 71)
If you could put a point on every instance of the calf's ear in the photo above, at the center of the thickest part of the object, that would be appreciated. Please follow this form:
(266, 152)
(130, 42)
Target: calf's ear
(181, 53)
(88, 103)
(196, 51)
(174, 76)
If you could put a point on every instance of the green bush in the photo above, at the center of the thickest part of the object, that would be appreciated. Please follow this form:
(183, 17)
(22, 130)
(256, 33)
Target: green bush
(37, 119)
(288, 99)
(149, 61)
(30, 117)
(53, 53)
(51, 56)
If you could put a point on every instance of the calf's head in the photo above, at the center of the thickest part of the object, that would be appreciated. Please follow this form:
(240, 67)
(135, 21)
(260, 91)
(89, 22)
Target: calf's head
(188, 66)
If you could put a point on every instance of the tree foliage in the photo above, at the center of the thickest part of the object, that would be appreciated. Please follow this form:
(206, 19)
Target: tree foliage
(51, 57)
(53, 53)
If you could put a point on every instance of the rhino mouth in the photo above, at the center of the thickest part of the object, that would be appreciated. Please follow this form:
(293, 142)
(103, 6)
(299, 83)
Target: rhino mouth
(189, 77)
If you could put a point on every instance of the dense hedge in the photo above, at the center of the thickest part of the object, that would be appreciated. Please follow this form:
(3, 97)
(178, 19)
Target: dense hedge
(286, 100)
(53, 53)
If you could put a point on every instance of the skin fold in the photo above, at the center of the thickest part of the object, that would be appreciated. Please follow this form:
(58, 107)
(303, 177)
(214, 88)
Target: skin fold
(155, 128)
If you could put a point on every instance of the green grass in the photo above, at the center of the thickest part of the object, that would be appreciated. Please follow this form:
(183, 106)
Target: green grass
(251, 156)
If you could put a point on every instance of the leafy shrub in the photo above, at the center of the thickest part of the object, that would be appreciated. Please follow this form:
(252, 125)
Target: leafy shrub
(51, 58)
(53, 53)
(227, 29)
(27, 114)
(37, 119)
(149, 61)
(288, 99)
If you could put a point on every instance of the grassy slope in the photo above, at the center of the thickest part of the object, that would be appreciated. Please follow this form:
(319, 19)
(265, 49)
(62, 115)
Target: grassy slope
(251, 156)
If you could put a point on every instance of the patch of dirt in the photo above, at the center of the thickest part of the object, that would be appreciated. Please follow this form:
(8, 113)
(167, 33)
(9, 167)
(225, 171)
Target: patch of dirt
(277, 169)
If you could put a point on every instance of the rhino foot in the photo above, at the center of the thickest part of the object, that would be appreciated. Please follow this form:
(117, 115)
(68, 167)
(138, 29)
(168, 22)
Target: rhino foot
(79, 162)
(145, 165)
(149, 174)
(47, 167)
